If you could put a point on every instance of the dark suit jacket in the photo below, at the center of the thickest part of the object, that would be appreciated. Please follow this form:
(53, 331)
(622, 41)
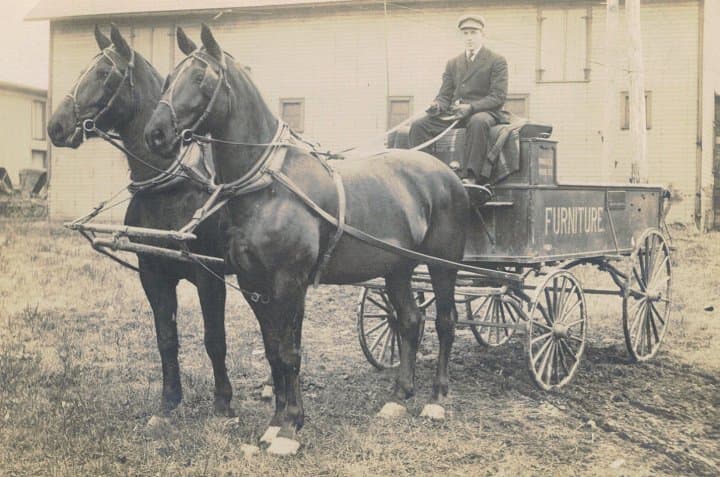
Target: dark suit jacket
(482, 84)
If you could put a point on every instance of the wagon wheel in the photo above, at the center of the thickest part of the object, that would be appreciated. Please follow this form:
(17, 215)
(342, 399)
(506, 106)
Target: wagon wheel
(557, 330)
(377, 326)
(646, 300)
(495, 310)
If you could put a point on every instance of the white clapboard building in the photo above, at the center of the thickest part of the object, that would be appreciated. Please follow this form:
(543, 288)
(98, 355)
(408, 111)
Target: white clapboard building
(343, 71)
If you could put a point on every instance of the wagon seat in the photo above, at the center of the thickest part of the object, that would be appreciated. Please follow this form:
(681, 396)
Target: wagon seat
(504, 154)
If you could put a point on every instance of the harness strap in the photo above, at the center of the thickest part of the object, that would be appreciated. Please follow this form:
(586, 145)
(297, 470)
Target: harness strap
(364, 237)
(342, 205)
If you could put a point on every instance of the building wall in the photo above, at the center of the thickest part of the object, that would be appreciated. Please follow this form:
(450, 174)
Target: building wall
(336, 60)
(16, 133)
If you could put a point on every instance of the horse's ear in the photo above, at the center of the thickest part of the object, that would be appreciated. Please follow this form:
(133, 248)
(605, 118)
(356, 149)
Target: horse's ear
(102, 41)
(121, 45)
(210, 44)
(186, 45)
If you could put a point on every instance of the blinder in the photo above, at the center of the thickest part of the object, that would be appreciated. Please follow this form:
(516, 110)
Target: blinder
(113, 80)
(209, 81)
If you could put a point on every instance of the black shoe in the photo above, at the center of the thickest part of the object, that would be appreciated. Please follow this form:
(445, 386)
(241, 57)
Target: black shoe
(478, 194)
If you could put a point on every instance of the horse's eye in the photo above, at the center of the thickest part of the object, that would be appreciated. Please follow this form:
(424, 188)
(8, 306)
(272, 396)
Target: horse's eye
(103, 73)
(197, 79)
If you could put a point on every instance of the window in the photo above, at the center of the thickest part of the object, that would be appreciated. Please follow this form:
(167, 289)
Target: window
(292, 111)
(38, 119)
(399, 109)
(517, 104)
(625, 111)
(564, 44)
(38, 159)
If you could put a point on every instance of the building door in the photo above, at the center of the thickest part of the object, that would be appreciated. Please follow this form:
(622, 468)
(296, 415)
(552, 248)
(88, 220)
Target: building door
(716, 165)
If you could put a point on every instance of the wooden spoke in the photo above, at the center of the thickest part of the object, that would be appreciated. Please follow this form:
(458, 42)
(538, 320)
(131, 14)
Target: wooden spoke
(563, 361)
(576, 322)
(567, 296)
(575, 339)
(545, 315)
(541, 351)
(657, 314)
(376, 315)
(569, 350)
(376, 327)
(639, 313)
(385, 344)
(541, 325)
(382, 307)
(378, 338)
(549, 306)
(640, 280)
(540, 337)
(545, 367)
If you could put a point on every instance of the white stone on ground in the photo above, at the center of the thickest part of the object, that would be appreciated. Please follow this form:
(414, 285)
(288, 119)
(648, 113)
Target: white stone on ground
(270, 434)
(283, 446)
(267, 393)
(433, 411)
(159, 426)
(249, 450)
(392, 410)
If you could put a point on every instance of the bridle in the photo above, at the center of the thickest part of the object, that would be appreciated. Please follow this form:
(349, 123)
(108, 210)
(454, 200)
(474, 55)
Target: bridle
(115, 80)
(218, 68)
(88, 125)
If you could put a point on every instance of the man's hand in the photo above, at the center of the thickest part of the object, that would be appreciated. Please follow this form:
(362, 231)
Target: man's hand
(434, 109)
(462, 111)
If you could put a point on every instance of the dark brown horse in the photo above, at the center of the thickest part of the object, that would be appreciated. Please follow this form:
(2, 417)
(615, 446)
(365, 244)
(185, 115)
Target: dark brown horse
(119, 91)
(275, 240)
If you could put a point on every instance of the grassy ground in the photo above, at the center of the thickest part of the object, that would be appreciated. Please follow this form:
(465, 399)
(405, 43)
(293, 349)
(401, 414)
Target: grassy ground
(80, 378)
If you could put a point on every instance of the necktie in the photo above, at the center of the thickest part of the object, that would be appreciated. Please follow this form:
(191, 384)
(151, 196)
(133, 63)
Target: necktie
(470, 55)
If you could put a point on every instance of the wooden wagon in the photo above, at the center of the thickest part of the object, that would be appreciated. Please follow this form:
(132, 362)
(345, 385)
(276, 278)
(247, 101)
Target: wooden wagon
(540, 229)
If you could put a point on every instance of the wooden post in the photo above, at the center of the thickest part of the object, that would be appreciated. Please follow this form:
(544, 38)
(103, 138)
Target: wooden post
(639, 168)
(611, 111)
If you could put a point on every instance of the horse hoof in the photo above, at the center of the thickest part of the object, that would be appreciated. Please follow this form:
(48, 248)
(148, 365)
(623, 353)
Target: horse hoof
(283, 446)
(433, 411)
(392, 410)
(270, 434)
(267, 393)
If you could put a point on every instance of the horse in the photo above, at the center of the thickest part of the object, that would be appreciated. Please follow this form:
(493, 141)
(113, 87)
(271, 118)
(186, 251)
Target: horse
(283, 234)
(118, 91)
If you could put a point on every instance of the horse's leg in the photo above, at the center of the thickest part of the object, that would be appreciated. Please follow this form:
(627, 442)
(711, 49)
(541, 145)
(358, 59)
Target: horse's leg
(443, 282)
(161, 293)
(271, 339)
(281, 324)
(211, 292)
(400, 292)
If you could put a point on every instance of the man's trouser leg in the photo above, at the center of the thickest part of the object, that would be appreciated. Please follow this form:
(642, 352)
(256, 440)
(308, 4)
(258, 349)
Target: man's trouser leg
(425, 129)
(477, 138)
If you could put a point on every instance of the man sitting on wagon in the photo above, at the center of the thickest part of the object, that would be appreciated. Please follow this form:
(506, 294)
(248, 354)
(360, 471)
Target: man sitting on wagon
(474, 88)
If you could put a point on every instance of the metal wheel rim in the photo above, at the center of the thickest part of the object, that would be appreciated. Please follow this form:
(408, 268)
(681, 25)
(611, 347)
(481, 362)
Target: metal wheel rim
(647, 296)
(492, 309)
(556, 330)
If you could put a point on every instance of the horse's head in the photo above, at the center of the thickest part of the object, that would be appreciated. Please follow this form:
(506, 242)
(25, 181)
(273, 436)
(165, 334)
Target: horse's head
(102, 96)
(196, 94)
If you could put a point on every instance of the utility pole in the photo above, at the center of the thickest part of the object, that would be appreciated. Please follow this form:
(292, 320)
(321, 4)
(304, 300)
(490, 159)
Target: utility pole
(638, 125)
(611, 111)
